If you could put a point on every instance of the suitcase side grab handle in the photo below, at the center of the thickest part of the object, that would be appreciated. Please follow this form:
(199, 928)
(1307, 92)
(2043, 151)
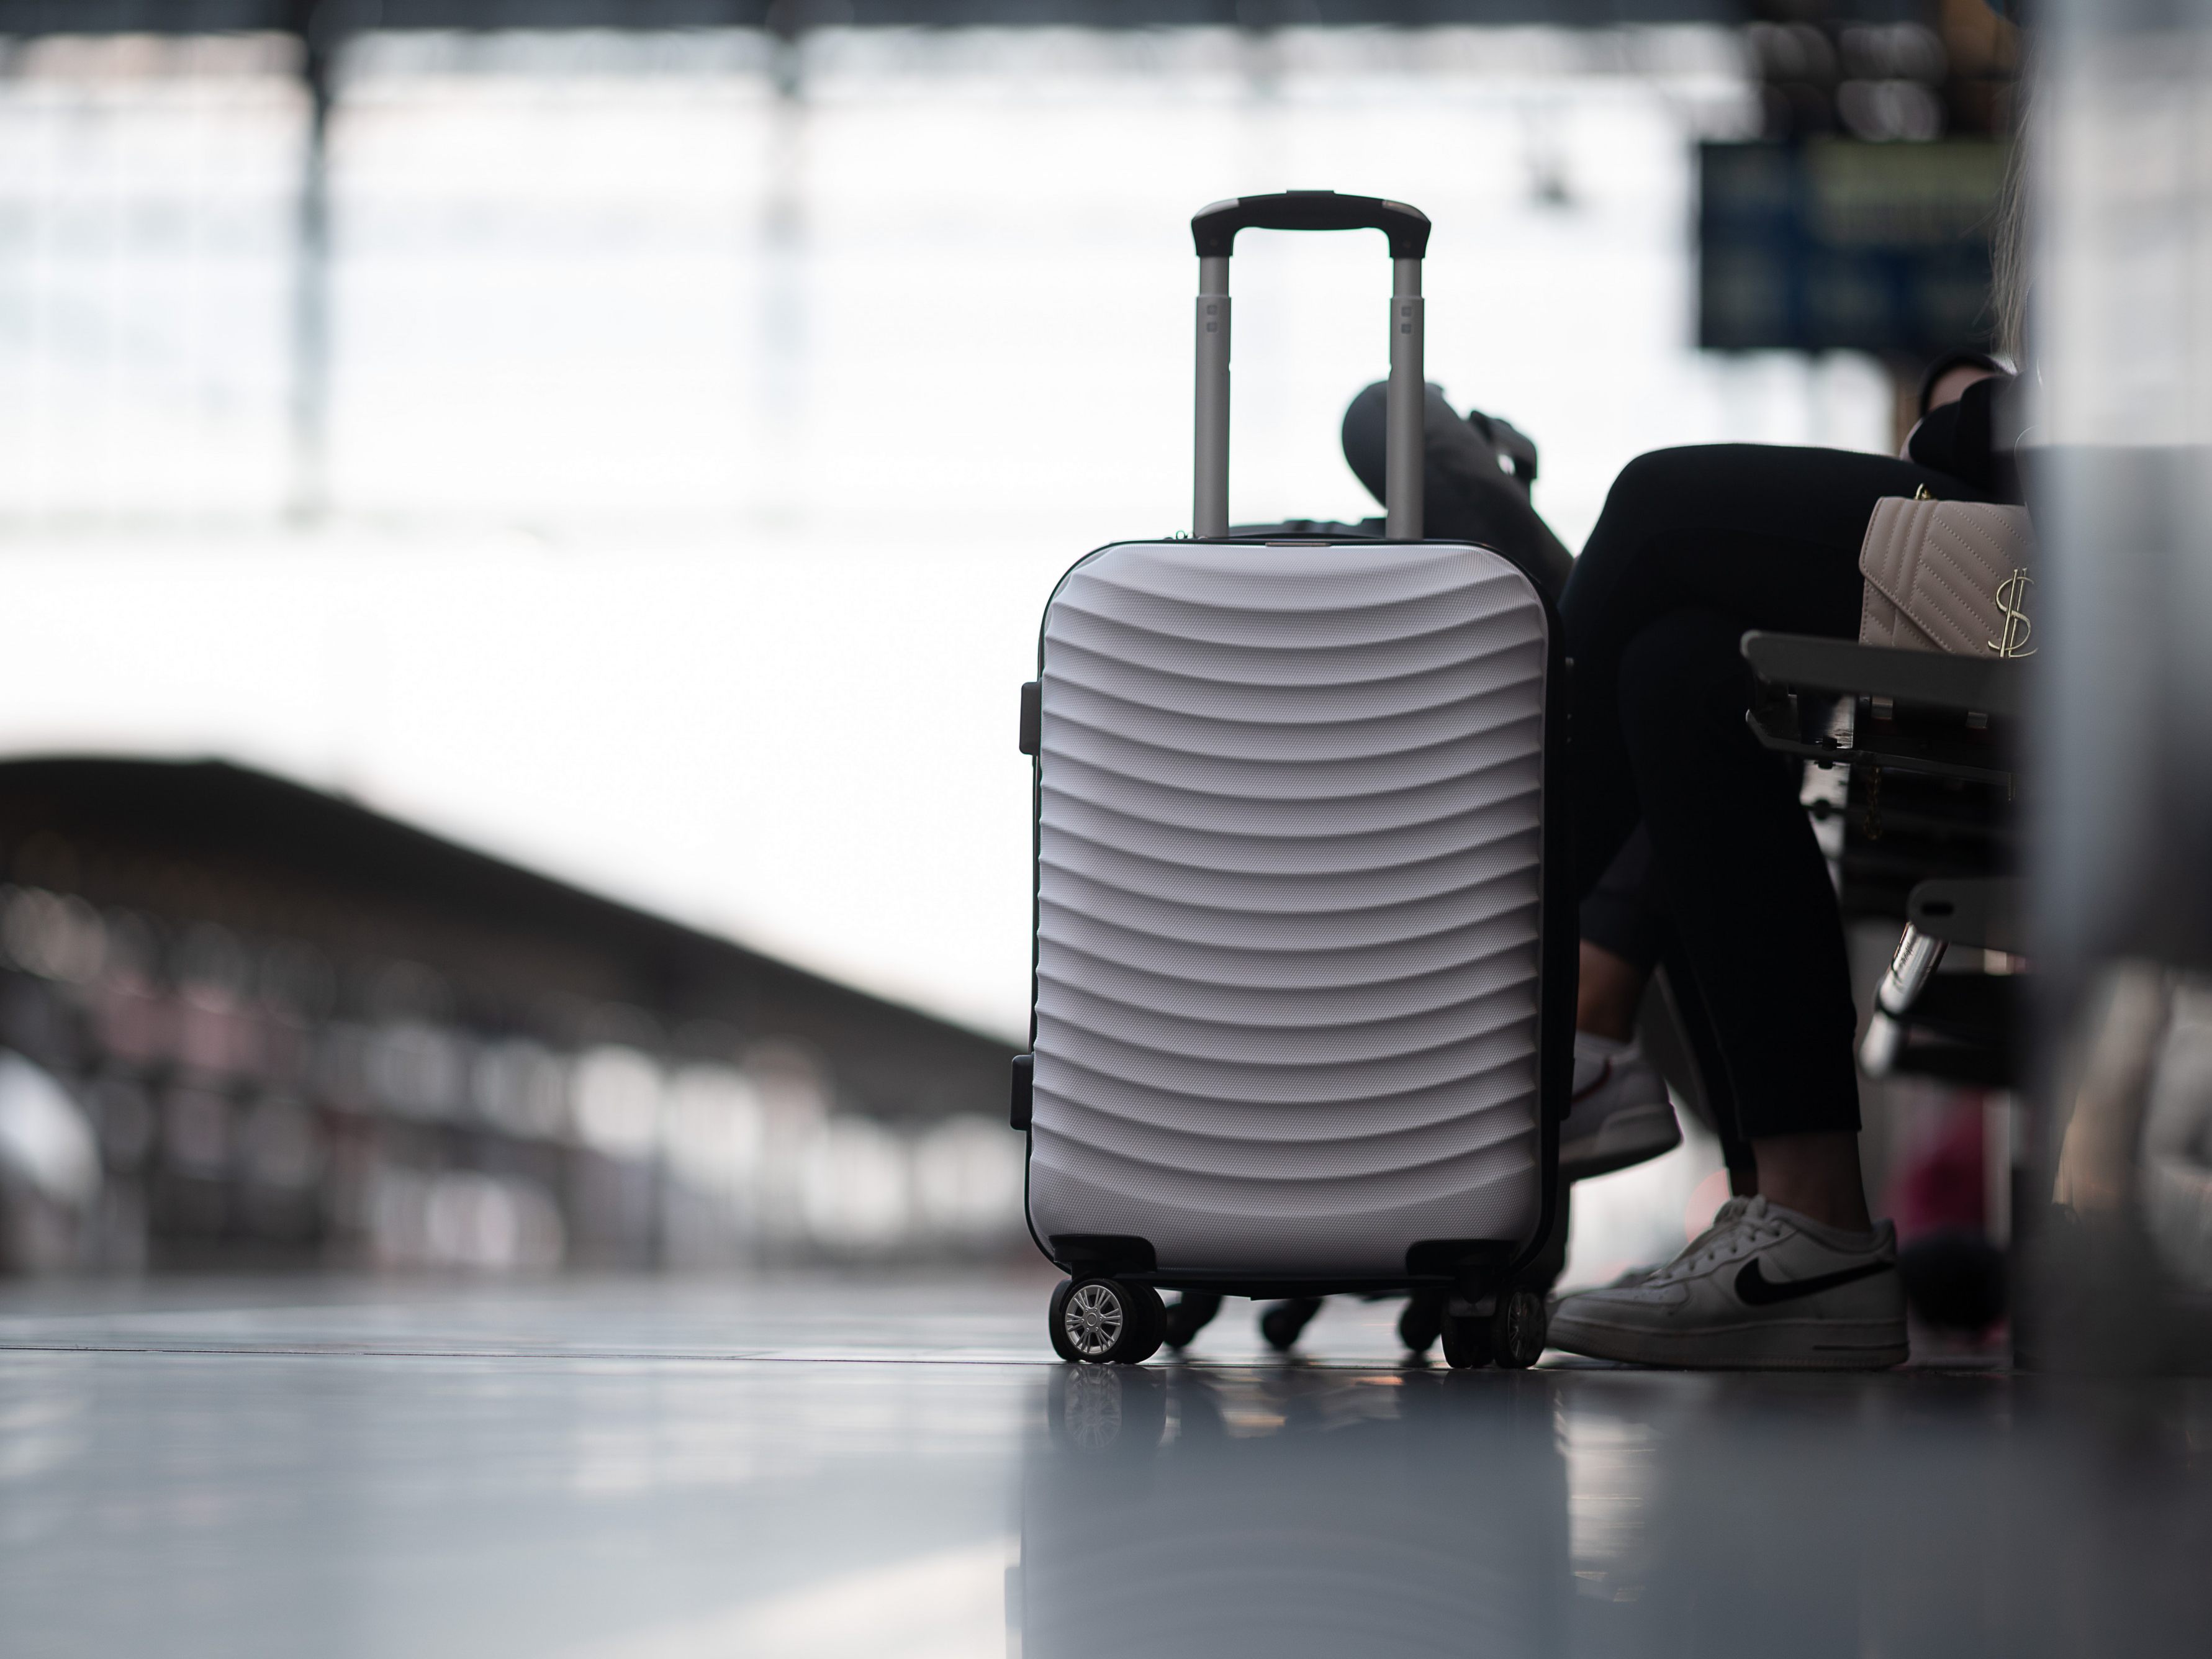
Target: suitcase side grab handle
(1214, 230)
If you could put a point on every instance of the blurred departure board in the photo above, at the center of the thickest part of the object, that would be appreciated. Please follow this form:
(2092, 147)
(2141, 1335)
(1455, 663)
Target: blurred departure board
(1836, 245)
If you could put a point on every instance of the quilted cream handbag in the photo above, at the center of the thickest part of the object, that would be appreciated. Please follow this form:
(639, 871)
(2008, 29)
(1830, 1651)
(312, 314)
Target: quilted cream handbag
(1947, 576)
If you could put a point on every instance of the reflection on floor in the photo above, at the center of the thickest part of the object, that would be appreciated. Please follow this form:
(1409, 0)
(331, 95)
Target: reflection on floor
(891, 1466)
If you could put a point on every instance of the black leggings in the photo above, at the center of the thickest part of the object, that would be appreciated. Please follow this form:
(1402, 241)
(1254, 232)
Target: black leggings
(1694, 547)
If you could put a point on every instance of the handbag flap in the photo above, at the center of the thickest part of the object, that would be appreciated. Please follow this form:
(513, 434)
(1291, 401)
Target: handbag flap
(1940, 564)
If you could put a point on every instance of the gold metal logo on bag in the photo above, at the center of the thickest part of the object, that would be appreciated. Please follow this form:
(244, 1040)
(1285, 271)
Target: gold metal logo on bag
(2012, 597)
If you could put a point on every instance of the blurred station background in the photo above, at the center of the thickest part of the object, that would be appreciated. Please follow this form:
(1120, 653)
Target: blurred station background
(297, 1031)
(522, 522)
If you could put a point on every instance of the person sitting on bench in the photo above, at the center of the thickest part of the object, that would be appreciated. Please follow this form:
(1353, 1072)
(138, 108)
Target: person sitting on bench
(1694, 547)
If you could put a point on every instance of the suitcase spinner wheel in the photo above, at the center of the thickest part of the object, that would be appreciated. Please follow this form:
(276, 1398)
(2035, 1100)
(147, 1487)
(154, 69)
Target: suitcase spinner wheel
(1422, 1323)
(1511, 1336)
(1467, 1339)
(1104, 1321)
(1192, 1313)
(1284, 1323)
(1517, 1330)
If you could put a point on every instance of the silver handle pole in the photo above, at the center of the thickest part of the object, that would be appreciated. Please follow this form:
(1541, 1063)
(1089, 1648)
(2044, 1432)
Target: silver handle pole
(1210, 497)
(1403, 441)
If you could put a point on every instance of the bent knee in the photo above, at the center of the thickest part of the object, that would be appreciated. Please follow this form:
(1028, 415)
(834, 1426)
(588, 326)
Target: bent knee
(1663, 478)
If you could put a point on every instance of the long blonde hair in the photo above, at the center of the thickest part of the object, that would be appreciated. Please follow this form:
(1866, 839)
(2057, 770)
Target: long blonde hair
(2010, 250)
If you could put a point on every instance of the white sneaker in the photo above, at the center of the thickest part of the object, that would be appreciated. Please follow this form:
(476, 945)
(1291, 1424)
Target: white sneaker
(1620, 1114)
(1762, 1288)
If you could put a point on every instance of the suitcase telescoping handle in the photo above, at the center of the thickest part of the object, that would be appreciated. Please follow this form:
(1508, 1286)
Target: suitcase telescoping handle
(1214, 229)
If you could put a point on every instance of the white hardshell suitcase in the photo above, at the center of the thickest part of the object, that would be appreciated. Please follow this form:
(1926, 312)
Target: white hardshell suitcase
(1304, 943)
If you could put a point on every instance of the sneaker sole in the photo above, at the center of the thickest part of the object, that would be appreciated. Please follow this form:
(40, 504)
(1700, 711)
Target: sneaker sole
(1635, 1135)
(1802, 1345)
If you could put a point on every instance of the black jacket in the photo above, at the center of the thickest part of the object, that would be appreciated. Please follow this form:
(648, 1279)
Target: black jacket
(1976, 439)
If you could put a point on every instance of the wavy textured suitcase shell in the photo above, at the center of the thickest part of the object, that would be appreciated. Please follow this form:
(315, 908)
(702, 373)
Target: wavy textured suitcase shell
(1289, 871)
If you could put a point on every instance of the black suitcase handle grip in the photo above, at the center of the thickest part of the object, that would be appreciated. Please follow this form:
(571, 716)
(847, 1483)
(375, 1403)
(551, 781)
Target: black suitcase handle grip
(1214, 228)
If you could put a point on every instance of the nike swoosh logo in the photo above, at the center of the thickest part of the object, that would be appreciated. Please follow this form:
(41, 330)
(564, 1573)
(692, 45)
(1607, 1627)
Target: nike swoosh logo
(1758, 1291)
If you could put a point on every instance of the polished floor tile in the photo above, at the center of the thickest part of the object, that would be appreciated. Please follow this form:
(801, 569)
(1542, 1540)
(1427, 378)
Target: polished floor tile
(890, 1465)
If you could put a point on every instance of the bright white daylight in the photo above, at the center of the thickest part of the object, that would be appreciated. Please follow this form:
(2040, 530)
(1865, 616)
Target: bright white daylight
(674, 502)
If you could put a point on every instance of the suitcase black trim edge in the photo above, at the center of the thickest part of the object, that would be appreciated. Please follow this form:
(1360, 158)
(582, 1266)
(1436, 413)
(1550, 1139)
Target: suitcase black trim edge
(1558, 969)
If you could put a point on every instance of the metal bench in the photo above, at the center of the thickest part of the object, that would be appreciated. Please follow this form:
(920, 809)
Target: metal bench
(1923, 830)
